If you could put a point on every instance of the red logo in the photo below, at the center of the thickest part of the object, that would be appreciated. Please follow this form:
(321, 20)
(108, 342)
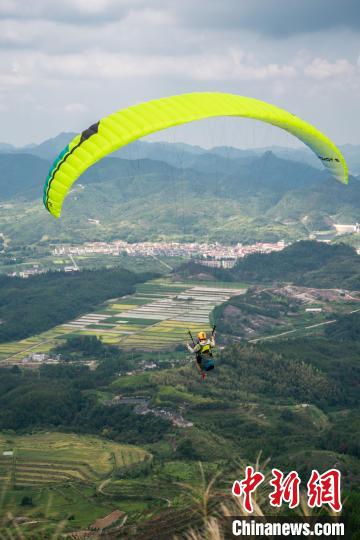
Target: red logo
(247, 487)
(285, 489)
(325, 489)
(321, 489)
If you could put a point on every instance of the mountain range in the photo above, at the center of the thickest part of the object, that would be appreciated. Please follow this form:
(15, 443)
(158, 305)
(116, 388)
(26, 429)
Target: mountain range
(148, 191)
(181, 154)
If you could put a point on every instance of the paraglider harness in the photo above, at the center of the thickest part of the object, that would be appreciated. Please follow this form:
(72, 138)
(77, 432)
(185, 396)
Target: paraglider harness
(204, 356)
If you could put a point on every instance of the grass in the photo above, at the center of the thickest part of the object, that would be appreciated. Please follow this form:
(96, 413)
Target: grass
(212, 526)
(132, 382)
(121, 307)
(169, 394)
(180, 497)
(60, 509)
(137, 321)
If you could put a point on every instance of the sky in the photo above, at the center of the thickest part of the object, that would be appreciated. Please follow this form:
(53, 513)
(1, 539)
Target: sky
(64, 65)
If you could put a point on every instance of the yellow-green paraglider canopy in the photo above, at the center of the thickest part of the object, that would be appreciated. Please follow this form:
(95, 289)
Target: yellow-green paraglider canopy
(127, 125)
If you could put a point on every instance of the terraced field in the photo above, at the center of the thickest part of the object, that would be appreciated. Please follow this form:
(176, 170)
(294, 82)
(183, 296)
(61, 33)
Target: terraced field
(156, 317)
(50, 458)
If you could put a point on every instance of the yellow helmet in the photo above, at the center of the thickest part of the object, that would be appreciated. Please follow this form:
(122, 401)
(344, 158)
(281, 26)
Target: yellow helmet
(202, 335)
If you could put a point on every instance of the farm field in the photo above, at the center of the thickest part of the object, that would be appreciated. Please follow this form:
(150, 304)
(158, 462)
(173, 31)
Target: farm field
(17, 350)
(61, 477)
(74, 480)
(47, 458)
(156, 317)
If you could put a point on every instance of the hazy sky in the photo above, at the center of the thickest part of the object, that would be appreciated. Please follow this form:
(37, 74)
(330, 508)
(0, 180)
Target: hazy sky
(64, 65)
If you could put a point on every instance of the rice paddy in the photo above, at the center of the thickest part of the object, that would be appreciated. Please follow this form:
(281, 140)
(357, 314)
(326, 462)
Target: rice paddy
(44, 458)
(156, 317)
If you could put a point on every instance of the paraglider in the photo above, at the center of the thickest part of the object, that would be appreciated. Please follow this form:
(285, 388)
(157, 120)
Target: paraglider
(203, 351)
(127, 125)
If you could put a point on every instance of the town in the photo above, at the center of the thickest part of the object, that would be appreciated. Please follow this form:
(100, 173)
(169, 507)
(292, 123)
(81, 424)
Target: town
(213, 254)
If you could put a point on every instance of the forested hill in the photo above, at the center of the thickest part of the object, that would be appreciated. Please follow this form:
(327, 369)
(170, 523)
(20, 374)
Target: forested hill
(347, 328)
(222, 195)
(177, 192)
(214, 174)
(33, 305)
(308, 263)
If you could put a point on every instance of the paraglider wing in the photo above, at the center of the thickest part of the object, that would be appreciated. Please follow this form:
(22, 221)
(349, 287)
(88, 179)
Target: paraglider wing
(127, 125)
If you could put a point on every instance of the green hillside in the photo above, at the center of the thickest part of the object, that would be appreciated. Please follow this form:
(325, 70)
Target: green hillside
(294, 398)
(307, 263)
(346, 329)
(71, 425)
(248, 199)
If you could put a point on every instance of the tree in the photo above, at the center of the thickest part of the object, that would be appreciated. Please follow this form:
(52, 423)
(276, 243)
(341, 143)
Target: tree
(26, 501)
(186, 450)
